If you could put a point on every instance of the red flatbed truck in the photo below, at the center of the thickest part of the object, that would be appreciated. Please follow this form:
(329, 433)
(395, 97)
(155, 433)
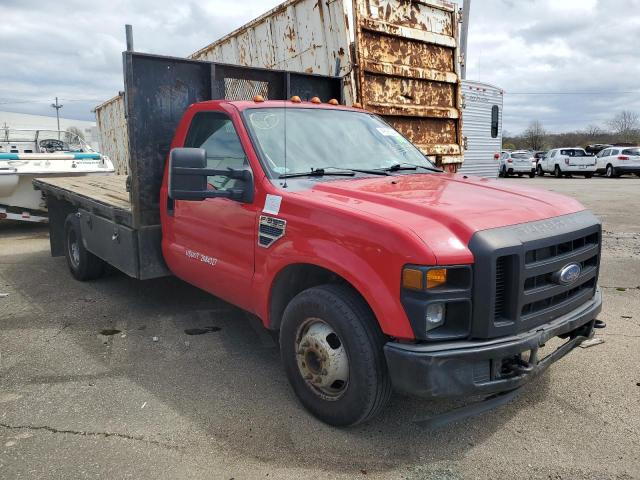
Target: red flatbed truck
(378, 271)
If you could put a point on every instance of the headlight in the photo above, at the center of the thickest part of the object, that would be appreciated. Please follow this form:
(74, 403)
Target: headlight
(435, 315)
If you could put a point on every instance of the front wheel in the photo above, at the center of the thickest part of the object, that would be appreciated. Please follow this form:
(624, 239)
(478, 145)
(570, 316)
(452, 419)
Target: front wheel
(540, 171)
(83, 264)
(610, 172)
(331, 348)
(532, 174)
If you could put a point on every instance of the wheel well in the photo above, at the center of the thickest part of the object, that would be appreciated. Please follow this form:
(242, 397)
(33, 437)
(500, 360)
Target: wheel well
(292, 280)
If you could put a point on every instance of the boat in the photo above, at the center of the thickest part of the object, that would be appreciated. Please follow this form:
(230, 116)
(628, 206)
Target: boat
(29, 154)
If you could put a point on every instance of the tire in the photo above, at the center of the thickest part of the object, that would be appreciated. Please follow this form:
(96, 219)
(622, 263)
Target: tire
(532, 174)
(83, 264)
(588, 175)
(503, 172)
(540, 171)
(520, 175)
(332, 321)
(610, 172)
(557, 172)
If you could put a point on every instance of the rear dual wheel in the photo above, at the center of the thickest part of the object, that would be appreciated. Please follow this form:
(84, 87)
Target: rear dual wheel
(332, 351)
(83, 264)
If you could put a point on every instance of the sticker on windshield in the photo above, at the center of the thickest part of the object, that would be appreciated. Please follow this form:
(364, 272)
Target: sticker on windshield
(272, 204)
(388, 132)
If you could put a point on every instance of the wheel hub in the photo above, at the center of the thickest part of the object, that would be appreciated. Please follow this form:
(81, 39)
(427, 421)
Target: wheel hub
(322, 358)
(74, 250)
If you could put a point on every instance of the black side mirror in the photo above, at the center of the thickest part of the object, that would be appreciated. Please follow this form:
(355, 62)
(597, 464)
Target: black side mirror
(188, 174)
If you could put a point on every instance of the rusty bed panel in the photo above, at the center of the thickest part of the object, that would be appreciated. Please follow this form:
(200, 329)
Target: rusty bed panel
(438, 136)
(407, 71)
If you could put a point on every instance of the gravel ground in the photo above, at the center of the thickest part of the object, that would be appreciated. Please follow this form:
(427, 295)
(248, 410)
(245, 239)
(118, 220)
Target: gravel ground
(80, 400)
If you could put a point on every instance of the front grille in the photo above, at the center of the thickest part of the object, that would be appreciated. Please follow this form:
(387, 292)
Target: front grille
(517, 269)
(501, 288)
(541, 298)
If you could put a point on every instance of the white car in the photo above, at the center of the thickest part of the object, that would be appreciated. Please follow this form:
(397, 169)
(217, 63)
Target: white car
(518, 163)
(616, 161)
(567, 161)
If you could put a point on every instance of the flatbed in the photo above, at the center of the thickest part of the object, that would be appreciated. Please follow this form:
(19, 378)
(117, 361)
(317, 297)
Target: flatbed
(104, 206)
(105, 193)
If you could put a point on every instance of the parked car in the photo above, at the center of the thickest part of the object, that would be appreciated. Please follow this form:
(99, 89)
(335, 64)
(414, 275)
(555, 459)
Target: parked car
(519, 162)
(597, 148)
(538, 155)
(616, 161)
(567, 161)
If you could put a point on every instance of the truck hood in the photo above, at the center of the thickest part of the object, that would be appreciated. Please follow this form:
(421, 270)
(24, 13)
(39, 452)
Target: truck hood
(445, 210)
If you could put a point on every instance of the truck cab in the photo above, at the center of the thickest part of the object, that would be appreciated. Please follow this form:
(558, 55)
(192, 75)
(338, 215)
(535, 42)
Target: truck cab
(375, 270)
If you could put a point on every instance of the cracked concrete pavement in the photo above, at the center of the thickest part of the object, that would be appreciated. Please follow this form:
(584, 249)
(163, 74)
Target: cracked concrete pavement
(86, 392)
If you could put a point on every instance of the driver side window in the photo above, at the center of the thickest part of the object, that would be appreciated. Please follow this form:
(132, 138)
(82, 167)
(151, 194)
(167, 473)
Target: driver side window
(214, 132)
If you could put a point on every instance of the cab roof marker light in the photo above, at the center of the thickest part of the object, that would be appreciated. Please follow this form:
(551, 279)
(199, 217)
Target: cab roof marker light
(258, 99)
(296, 99)
(316, 100)
(333, 101)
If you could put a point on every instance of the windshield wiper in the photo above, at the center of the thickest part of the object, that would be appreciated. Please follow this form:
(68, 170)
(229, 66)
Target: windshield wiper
(409, 166)
(318, 172)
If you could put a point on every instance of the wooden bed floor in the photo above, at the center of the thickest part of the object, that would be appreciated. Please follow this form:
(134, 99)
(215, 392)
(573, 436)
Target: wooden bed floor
(107, 189)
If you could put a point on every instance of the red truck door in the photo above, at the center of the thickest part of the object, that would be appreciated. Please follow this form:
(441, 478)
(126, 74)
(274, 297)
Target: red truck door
(213, 240)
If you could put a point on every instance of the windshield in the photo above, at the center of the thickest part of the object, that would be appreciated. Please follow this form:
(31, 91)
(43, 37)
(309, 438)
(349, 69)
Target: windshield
(66, 140)
(323, 138)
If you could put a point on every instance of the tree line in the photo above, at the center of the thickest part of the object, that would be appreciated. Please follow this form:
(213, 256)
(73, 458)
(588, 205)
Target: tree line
(624, 127)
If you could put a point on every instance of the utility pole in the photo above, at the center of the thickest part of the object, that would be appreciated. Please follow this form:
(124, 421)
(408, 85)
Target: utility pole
(57, 106)
(464, 33)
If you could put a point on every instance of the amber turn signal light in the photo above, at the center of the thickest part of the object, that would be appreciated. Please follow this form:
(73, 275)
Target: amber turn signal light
(296, 99)
(436, 277)
(412, 279)
(333, 101)
(316, 100)
(258, 99)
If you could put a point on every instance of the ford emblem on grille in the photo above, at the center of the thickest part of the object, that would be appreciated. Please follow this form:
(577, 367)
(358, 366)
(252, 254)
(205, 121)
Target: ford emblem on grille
(567, 274)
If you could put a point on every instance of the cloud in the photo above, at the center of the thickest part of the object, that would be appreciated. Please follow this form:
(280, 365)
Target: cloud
(72, 49)
(556, 47)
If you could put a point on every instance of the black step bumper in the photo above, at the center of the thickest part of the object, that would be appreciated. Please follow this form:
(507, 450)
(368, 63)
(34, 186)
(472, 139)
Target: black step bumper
(466, 368)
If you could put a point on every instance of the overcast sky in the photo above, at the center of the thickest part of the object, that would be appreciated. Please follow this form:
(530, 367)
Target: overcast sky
(584, 52)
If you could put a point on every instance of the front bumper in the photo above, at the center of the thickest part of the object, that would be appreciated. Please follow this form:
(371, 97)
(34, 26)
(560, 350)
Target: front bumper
(466, 368)
(515, 168)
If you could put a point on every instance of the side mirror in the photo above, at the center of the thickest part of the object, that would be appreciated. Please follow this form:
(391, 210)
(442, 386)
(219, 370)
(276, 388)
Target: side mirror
(188, 174)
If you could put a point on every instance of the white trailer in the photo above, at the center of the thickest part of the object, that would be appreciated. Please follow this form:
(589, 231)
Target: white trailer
(482, 128)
